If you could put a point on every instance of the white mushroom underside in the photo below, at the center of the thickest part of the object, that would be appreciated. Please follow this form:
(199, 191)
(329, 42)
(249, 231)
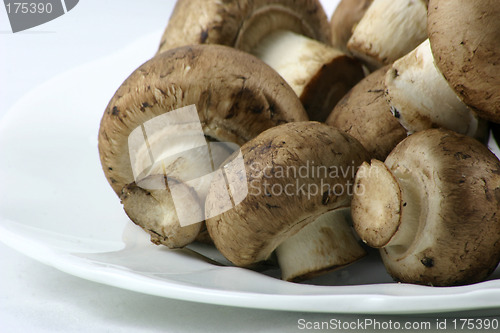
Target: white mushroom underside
(411, 207)
(422, 214)
(421, 98)
(399, 227)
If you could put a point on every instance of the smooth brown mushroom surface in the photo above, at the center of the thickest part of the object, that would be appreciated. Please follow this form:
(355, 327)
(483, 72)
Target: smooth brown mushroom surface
(294, 174)
(465, 41)
(344, 20)
(433, 208)
(365, 114)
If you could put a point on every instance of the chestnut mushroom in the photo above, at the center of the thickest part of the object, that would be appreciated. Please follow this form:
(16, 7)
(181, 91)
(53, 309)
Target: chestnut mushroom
(388, 30)
(153, 127)
(299, 178)
(432, 208)
(365, 114)
(291, 36)
(465, 40)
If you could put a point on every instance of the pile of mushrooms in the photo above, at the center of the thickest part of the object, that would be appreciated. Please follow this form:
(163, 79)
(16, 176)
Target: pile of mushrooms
(234, 100)
(218, 138)
(293, 209)
(429, 205)
(292, 36)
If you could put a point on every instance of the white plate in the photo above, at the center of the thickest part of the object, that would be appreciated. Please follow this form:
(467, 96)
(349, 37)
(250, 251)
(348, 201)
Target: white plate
(56, 206)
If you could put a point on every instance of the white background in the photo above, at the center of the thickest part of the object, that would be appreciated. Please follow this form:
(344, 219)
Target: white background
(38, 298)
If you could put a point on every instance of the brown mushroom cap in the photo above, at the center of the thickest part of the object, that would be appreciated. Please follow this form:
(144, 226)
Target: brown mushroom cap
(365, 114)
(242, 23)
(237, 97)
(436, 211)
(465, 41)
(281, 165)
(344, 20)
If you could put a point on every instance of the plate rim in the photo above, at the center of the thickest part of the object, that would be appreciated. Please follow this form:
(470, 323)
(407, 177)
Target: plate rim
(360, 303)
(371, 303)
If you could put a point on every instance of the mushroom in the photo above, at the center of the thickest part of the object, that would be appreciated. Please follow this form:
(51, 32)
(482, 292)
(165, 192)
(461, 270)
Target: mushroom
(432, 208)
(291, 36)
(299, 178)
(389, 30)
(344, 21)
(172, 162)
(155, 211)
(420, 97)
(326, 244)
(465, 41)
(154, 131)
(365, 114)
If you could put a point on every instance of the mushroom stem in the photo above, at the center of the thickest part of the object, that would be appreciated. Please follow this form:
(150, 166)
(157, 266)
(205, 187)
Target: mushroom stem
(319, 74)
(344, 20)
(415, 89)
(294, 173)
(173, 164)
(389, 30)
(421, 98)
(168, 196)
(155, 212)
(326, 244)
(386, 207)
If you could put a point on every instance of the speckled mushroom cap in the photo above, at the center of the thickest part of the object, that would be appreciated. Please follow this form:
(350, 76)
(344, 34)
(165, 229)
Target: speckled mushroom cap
(437, 218)
(237, 97)
(465, 41)
(242, 23)
(294, 158)
(365, 114)
(466, 177)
